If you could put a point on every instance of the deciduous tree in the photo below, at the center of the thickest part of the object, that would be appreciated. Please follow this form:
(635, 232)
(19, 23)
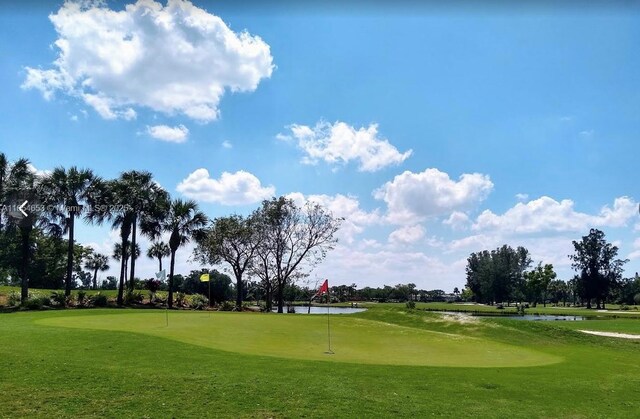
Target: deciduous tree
(598, 268)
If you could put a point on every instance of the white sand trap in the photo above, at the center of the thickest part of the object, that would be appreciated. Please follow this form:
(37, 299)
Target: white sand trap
(611, 334)
(462, 318)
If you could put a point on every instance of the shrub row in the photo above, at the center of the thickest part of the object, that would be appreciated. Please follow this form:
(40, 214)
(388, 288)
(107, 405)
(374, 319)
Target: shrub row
(57, 299)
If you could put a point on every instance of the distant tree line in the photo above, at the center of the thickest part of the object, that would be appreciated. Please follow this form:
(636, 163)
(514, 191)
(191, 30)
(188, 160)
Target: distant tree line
(503, 276)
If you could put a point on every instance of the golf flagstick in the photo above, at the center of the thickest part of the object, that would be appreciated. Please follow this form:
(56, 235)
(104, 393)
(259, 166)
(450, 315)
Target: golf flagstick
(329, 326)
(330, 352)
(162, 276)
(206, 278)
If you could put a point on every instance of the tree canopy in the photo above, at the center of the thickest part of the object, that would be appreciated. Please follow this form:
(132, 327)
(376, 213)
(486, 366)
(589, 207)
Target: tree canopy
(599, 270)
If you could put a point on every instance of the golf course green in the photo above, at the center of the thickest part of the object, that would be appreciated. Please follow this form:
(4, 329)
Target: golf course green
(388, 362)
(305, 337)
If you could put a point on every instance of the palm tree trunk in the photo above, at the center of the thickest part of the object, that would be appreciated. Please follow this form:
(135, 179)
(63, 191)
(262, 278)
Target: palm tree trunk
(2, 183)
(133, 253)
(123, 270)
(160, 263)
(95, 279)
(67, 285)
(173, 261)
(24, 266)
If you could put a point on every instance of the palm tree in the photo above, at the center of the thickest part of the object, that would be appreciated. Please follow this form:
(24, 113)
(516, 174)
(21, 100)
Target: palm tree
(144, 200)
(123, 257)
(134, 199)
(158, 251)
(96, 262)
(4, 169)
(185, 222)
(115, 210)
(67, 193)
(122, 221)
(17, 181)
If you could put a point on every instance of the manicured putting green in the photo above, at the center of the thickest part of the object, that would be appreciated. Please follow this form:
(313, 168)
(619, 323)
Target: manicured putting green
(305, 337)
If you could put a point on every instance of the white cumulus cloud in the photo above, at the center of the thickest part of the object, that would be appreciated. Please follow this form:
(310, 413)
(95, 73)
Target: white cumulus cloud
(635, 254)
(376, 267)
(177, 134)
(457, 220)
(348, 207)
(547, 214)
(239, 188)
(341, 143)
(176, 58)
(407, 234)
(39, 173)
(413, 196)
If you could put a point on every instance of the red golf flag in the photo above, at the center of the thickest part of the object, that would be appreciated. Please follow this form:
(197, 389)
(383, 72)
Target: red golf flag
(324, 288)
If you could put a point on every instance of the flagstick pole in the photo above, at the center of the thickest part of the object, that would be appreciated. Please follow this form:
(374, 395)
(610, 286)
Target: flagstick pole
(209, 297)
(329, 322)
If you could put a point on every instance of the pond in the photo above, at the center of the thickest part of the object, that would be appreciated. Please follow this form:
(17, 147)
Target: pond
(323, 310)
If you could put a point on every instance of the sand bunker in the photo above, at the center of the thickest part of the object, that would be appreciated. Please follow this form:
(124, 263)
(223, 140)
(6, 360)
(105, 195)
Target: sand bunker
(611, 334)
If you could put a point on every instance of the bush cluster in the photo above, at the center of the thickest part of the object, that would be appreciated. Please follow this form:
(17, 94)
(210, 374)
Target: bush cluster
(198, 302)
(133, 297)
(99, 300)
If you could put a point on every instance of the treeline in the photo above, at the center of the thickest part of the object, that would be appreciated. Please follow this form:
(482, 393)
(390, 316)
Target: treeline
(278, 244)
(503, 275)
(346, 293)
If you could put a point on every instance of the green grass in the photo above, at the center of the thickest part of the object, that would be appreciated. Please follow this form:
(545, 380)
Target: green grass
(118, 368)
(305, 337)
(612, 309)
(631, 326)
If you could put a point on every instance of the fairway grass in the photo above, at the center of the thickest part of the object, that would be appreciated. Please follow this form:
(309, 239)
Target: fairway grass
(305, 337)
(50, 371)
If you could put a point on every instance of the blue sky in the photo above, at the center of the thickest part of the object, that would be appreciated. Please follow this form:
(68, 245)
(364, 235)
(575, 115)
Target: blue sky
(435, 133)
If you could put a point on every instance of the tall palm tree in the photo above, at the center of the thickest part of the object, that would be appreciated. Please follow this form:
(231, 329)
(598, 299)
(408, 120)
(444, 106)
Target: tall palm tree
(67, 193)
(158, 250)
(145, 199)
(123, 254)
(17, 182)
(185, 222)
(134, 198)
(4, 169)
(116, 211)
(96, 262)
